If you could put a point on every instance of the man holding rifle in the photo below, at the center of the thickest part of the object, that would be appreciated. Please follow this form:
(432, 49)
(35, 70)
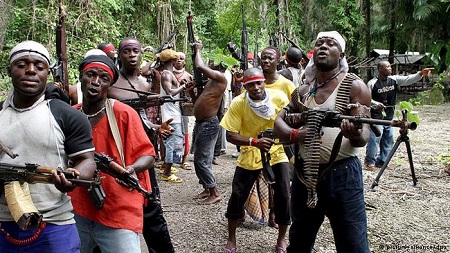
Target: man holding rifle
(250, 114)
(327, 181)
(155, 231)
(117, 132)
(46, 132)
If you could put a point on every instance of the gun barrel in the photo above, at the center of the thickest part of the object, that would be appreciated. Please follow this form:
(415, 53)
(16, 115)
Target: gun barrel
(394, 123)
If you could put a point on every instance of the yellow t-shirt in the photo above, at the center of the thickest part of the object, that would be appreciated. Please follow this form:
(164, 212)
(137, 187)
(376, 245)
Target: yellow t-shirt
(241, 119)
(283, 84)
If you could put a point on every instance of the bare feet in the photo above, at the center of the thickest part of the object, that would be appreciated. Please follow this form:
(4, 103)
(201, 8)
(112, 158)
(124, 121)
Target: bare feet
(212, 199)
(202, 195)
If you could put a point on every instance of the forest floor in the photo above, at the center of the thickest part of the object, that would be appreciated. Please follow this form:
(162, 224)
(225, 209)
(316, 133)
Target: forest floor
(401, 217)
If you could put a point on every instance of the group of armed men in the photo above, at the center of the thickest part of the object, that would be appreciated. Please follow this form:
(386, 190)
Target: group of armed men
(38, 126)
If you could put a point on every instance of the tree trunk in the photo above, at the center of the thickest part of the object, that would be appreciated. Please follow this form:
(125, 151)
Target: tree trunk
(5, 11)
(392, 32)
(366, 6)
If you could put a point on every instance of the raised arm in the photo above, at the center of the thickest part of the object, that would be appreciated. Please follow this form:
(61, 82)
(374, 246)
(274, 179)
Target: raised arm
(207, 71)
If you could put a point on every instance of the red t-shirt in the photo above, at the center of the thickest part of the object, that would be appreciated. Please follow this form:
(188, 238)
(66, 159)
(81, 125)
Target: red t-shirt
(123, 208)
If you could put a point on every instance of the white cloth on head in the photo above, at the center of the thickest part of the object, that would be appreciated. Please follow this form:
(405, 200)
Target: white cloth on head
(29, 47)
(311, 69)
(335, 35)
(94, 51)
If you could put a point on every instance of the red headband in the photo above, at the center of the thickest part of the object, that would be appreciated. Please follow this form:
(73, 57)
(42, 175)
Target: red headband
(99, 65)
(130, 44)
(273, 51)
(253, 79)
(108, 49)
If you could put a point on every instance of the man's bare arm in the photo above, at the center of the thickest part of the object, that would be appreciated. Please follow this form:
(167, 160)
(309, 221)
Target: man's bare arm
(359, 95)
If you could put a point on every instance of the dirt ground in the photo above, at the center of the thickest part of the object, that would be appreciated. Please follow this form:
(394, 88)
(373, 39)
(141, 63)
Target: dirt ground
(401, 218)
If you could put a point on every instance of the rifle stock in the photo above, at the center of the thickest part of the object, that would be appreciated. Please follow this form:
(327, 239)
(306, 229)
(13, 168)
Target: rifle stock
(191, 38)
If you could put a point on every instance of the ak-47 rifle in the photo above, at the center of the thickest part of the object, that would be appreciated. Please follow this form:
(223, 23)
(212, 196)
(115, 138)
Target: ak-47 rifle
(60, 73)
(14, 178)
(166, 42)
(334, 119)
(144, 101)
(255, 55)
(107, 165)
(191, 38)
(244, 42)
(294, 45)
(34, 173)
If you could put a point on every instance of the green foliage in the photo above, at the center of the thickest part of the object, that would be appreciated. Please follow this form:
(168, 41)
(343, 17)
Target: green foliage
(217, 57)
(444, 158)
(410, 114)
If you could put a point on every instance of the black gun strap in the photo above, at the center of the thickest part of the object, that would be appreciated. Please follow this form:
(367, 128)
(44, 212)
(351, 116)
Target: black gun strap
(267, 169)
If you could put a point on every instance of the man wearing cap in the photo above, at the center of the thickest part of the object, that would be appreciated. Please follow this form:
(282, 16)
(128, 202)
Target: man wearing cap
(249, 114)
(174, 143)
(115, 227)
(45, 132)
(155, 230)
(327, 181)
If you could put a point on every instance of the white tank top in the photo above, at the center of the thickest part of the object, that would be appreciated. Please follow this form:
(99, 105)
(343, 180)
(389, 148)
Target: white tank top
(330, 133)
(170, 110)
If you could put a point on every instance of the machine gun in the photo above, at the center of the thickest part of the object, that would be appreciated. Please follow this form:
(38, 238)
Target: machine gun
(107, 165)
(17, 194)
(334, 119)
(59, 68)
(191, 38)
(304, 56)
(166, 42)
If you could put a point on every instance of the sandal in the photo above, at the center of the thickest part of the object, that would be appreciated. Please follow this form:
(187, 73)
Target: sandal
(280, 249)
(186, 166)
(229, 250)
(172, 170)
(172, 179)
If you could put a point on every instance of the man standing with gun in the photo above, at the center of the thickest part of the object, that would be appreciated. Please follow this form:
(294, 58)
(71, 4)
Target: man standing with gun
(327, 181)
(118, 132)
(250, 114)
(155, 230)
(206, 129)
(62, 135)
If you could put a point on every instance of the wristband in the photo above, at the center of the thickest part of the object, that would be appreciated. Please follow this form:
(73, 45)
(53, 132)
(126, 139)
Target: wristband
(252, 141)
(294, 133)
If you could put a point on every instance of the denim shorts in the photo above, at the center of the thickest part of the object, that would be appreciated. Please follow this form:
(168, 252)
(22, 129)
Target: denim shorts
(174, 145)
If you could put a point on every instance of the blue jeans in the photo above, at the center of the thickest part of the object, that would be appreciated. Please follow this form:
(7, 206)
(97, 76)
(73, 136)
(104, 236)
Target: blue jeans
(174, 145)
(206, 133)
(341, 198)
(385, 141)
(54, 239)
(107, 238)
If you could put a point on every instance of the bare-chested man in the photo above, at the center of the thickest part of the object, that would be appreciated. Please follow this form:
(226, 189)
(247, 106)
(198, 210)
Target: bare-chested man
(206, 130)
(155, 227)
